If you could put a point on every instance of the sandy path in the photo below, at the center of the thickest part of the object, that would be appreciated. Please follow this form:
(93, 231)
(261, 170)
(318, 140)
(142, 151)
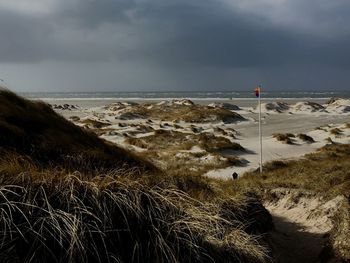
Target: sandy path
(293, 242)
(301, 221)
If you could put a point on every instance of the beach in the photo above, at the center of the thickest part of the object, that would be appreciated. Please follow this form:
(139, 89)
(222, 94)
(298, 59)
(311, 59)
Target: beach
(181, 141)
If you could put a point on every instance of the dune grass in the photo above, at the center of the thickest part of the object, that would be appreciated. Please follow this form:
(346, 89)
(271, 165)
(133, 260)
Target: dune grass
(339, 247)
(284, 137)
(306, 138)
(336, 131)
(91, 123)
(64, 218)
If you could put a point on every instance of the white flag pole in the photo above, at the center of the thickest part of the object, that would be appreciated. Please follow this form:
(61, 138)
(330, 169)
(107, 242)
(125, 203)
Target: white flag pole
(260, 130)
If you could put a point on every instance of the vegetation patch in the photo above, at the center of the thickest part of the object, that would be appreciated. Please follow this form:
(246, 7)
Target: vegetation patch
(65, 218)
(90, 123)
(336, 131)
(306, 138)
(284, 137)
(339, 247)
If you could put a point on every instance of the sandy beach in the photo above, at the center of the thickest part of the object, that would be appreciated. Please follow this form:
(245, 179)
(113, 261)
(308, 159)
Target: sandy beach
(181, 139)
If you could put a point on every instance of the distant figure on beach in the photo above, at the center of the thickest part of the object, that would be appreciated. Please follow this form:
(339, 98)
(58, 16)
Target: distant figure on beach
(234, 176)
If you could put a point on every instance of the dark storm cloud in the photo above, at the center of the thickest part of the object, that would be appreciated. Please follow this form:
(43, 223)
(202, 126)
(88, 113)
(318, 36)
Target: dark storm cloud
(23, 38)
(172, 33)
(193, 41)
(92, 13)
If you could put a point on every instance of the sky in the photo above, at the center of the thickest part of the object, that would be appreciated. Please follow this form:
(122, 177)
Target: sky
(174, 45)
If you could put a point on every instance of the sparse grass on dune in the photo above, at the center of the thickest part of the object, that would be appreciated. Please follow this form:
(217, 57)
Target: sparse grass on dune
(339, 246)
(165, 139)
(336, 131)
(172, 152)
(285, 138)
(306, 138)
(94, 123)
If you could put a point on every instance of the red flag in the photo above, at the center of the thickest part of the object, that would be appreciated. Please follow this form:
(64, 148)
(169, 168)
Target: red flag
(257, 91)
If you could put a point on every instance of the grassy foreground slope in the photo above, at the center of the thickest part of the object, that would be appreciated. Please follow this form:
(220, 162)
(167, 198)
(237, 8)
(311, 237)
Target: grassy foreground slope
(68, 196)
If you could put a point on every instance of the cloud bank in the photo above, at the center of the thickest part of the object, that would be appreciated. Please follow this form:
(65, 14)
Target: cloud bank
(61, 45)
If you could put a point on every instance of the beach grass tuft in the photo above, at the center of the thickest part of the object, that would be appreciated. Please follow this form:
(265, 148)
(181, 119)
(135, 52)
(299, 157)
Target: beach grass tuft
(306, 138)
(284, 137)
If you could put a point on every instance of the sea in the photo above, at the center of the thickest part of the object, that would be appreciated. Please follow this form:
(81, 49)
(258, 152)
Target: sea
(215, 95)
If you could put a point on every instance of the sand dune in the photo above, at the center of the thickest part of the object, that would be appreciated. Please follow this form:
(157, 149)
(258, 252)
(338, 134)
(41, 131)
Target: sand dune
(307, 107)
(339, 106)
(126, 123)
(273, 107)
(335, 106)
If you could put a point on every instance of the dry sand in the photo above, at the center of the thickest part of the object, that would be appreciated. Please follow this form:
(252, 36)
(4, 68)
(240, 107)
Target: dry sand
(302, 221)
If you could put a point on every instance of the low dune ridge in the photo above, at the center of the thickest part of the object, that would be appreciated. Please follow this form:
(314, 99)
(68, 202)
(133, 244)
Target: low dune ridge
(338, 105)
(333, 106)
(119, 105)
(307, 106)
(277, 107)
(181, 110)
(224, 105)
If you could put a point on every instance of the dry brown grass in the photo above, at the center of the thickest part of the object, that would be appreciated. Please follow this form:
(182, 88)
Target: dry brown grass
(90, 123)
(306, 138)
(336, 131)
(285, 138)
(51, 216)
(326, 172)
(339, 246)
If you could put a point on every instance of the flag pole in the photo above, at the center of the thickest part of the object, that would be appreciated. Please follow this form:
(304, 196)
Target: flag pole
(260, 130)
